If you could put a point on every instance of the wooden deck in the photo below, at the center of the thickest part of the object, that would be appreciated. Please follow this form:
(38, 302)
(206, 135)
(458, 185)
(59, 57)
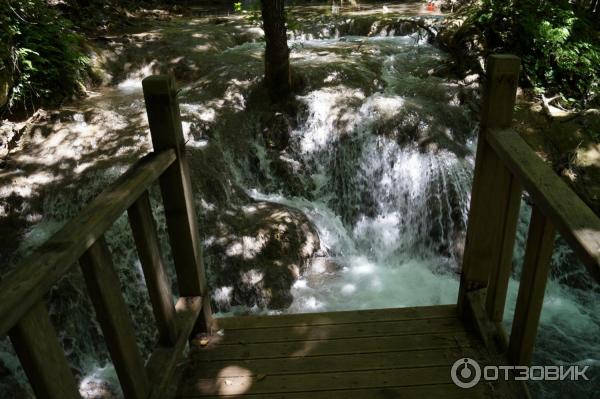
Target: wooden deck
(387, 353)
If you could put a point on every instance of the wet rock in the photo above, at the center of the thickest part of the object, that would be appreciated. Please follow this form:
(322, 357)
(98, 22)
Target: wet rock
(326, 265)
(443, 69)
(276, 130)
(287, 171)
(400, 27)
(8, 131)
(9, 386)
(451, 5)
(97, 389)
(465, 44)
(256, 253)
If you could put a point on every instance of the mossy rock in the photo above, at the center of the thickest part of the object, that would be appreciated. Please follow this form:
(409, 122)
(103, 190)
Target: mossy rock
(256, 253)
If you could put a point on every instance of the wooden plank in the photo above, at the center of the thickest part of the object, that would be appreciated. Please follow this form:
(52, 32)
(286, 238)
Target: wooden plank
(342, 317)
(164, 359)
(35, 275)
(214, 351)
(42, 357)
(314, 382)
(176, 187)
(112, 313)
(334, 331)
(157, 281)
(573, 219)
(197, 368)
(439, 391)
(536, 267)
(491, 219)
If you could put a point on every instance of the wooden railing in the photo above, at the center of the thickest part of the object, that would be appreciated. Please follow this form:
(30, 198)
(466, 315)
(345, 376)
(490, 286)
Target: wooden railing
(505, 166)
(23, 313)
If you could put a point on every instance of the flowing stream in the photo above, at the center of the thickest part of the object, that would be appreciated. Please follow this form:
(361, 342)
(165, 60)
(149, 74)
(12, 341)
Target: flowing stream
(382, 154)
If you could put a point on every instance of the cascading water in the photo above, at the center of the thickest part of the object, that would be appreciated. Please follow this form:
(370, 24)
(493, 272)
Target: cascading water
(382, 160)
(390, 180)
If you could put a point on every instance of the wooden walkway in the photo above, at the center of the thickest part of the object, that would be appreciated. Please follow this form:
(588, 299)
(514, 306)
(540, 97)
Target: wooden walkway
(387, 353)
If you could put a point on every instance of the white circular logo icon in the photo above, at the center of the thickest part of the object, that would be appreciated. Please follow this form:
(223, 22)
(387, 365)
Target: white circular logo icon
(465, 373)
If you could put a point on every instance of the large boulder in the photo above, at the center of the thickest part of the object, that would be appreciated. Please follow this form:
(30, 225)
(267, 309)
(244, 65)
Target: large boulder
(256, 252)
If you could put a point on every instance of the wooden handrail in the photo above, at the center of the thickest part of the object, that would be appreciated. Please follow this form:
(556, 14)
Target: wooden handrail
(23, 313)
(112, 314)
(159, 286)
(573, 219)
(505, 166)
(36, 274)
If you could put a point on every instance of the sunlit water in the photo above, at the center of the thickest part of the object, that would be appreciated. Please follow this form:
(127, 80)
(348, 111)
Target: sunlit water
(384, 152)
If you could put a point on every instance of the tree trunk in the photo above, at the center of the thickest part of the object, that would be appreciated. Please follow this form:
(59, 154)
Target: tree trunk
(277, 54)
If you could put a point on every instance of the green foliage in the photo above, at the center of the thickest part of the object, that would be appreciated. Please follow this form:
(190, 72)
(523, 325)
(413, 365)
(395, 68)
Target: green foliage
(251, 9)
(557, 42)
(42, 53)
(253, 14)
(291, 19)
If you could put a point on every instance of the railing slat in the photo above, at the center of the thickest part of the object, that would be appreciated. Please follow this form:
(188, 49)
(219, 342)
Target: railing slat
(42, 357)
(159, 287)
(501, 270)
(112, 313)
(536, 266)
(176, 187)
(491, 215)
(573, 219)
(34, 277)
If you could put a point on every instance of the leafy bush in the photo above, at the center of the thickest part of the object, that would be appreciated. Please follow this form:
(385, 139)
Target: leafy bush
(557, 42)
(41, 52)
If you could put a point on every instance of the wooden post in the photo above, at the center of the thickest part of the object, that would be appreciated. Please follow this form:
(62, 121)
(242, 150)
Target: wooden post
(157, 281)
(176, 188)
(495, 195)
(42, 357)
(112, 313)
(536, 266)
